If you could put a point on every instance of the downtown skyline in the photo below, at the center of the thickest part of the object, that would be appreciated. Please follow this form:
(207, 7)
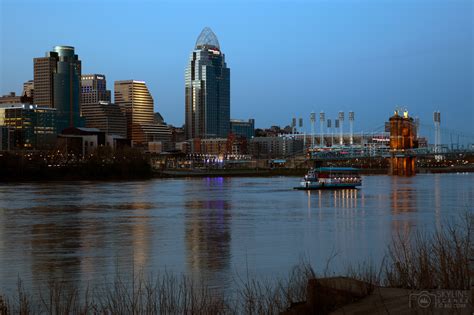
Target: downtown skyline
(393, 61)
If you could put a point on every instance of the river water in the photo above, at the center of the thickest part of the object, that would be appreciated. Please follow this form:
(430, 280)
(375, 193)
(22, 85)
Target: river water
(213, 229)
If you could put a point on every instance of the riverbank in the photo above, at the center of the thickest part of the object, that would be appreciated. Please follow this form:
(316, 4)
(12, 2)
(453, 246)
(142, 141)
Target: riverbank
(110, 173)
(290, 172)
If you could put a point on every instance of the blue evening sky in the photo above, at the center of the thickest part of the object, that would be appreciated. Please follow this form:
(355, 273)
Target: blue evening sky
(287, 58)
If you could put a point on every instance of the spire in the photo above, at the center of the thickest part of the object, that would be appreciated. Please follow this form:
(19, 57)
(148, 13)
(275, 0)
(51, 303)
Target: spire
(207, 38)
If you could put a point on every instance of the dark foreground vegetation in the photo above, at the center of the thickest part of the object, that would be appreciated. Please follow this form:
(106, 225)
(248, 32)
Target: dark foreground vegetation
(419, 261)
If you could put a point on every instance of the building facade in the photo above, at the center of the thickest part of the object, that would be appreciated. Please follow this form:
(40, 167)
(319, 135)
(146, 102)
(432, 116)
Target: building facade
(57, 84)
(243, 128)
(29, 88)
(275, 147)
(106, 117)
(403, 136)
(207, 90)
(29, 126)
(94, 89)
(97, 109)
(136, 102)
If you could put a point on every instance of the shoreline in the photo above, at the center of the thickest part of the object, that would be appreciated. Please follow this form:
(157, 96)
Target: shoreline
(71, 176)
(292, 172)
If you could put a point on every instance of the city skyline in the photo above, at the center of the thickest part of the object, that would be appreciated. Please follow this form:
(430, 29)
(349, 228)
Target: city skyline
(426, 68)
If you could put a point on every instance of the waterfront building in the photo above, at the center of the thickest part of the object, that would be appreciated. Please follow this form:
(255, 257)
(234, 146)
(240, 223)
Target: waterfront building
(84, 141)
(243, 128)
(136, 102)
(275, 147)
(207, 90)
(29, 89)
(29, 126)
(57, 84)
(12, 98)
(214, 146)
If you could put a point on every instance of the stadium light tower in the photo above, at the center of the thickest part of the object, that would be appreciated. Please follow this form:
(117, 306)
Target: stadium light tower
(341, 122)
(437, 123)
(351, 128)
(329, 130)
(312, 119)
(322, 119)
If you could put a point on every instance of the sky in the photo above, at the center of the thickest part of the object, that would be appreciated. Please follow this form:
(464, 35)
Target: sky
(287, 58)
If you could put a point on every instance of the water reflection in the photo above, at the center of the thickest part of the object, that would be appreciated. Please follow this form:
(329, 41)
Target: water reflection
(403, 201)
(53, 238)
(208, 233)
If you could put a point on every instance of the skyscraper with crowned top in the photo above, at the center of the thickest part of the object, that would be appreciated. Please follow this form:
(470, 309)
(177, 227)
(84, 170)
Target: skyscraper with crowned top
(207, 88)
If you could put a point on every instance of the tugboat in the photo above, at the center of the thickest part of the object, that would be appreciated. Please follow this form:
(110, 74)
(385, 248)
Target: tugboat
(330, 178)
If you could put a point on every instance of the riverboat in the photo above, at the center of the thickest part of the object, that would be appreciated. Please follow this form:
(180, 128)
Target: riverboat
(330, 178)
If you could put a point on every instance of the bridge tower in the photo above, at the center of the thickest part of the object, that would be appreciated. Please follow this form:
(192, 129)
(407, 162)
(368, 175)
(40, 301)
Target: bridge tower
(402, 138)
(312, 119)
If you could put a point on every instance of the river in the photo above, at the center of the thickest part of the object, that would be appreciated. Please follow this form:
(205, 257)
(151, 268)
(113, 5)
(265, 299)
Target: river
(213, 229)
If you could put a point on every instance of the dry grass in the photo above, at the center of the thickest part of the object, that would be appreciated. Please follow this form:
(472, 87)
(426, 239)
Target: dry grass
(437, 261)
(418, 261)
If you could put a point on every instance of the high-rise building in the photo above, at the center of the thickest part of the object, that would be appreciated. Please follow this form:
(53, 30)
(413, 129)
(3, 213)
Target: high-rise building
(243, 128)
(105, 116)
(207, 90)
(29, 88)
(57, 84)
(136, 102)
(96, 108)
(94, 89)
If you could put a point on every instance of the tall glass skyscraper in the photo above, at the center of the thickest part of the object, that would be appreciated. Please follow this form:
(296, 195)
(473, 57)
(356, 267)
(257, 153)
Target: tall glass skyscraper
(207, 88)
(57, 81)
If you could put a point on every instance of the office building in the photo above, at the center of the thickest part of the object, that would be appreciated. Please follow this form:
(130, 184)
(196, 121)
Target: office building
(97, 109)
(243, 128)
(105, 116)
(136, 102)
(57, 84)
(94, 89)
(30, 126)
(29, 89)
(207, 90)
